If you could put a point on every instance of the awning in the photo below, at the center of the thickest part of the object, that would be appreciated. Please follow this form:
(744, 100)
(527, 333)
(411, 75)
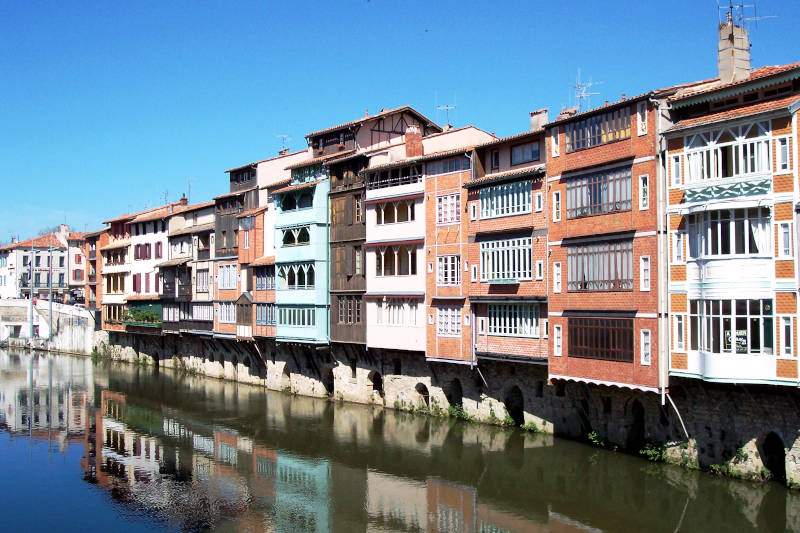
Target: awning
(115, 245)
(174, 262)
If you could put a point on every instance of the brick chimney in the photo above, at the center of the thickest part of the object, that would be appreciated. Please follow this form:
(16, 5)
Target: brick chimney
(183, 200)
(283, 151)
(733, 52)
(538, 119)
(413, 142)
(14, 240)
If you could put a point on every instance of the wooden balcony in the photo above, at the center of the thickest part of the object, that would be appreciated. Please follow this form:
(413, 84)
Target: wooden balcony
(181, 292)
(189, 325)
(203, 254)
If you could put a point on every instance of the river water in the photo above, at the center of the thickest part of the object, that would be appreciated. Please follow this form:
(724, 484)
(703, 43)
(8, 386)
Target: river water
(115, 447)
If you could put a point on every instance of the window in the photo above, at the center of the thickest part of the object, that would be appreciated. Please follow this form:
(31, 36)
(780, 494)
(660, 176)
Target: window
(505, 199)
(506, 259)
(644, 273)
(785, 239)
(396, 261)
(556, 277)
(395, 212)
(158, 250)
(782, 155)
(727, 153)
(448, 209)
(265, 278)
(513, 320)
(227, 277)
(296, 276)
(539, 269)
(556, 206)
(61, 261)
(38, 261)
(641, 118)
(539, 202)
(680, 332)
(474, 274)
(728, 326)
(604, 266)
(393, 177)
(473, 211)
(524, 153)
(610, 339)
(397, 312)
(358, 209)
(495, 159)
(644, 346)
(358, 261)
(349, 310)
(599, 129)
(676, 170)
(246, 239)
(730, 232)
(644, 192)
(296, 316)
(298, 236)
(677, 254)
(557, 340)
(202, 280)
(448, 271)
(787, 336)
(448, 321)
(554, 148)
(608, 191)
(448, 165)
(227, 313)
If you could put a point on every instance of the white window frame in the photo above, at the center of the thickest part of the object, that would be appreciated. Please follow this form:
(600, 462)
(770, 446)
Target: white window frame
(448, 321)
(227, 312)
(554, 147)
(641, 118)
(678, 255)
(785, 239)
(680, 331)
(557, 277)
(540, 270)
(507, 199)
(645, 268)
(786, 349)
(513, 320)
(545, 328)
(675, 173)
(645, 347)
(245, 240)
(557, 339)
(783, 160)
(474, 274)
(539, 204)
(448, 271)
(556, 206)
(448, 209)
(505, 259)
(473, 211)
(644, 192)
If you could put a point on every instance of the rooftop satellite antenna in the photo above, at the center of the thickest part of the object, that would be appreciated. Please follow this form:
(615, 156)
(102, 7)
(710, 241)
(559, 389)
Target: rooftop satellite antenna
(166, 195)
(582, 91)
(446, 109)
(283, 137)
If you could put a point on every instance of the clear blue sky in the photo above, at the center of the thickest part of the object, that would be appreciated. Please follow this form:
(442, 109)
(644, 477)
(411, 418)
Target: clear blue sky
(106, 105)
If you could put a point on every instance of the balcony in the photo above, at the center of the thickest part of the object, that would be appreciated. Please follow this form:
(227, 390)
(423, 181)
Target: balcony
(179, 291)
(189, 325)
(92, 278)
(203, 254)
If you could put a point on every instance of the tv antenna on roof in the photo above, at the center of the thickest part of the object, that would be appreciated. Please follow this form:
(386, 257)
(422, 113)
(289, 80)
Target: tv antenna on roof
(446, 109)
(582, 90)
(166, 195)
(283, 137)
(735, 13)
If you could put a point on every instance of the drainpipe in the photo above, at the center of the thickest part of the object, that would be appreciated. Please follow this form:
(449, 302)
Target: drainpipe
(663, 257)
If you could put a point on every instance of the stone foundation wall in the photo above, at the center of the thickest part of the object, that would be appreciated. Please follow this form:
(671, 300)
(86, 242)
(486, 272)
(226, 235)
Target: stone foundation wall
(733, 430)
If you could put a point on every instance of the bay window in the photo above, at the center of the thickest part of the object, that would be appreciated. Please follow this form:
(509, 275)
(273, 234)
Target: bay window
(513, 320)
(730, 232)
(506, 259)
(607, 191)
(506, 199)
(728, 152)
(396, 261)
(605, 266)
(732, 326)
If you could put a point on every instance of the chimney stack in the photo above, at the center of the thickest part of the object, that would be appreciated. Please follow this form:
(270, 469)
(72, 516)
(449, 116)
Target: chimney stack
(733, 53)
(413, 142)
(538, 119)
(14, 240)
(183, 200)
(63, 229)
(283, 151)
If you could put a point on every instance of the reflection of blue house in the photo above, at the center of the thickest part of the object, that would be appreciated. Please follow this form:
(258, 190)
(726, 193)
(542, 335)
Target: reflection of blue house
(301, 255)
(302, 494)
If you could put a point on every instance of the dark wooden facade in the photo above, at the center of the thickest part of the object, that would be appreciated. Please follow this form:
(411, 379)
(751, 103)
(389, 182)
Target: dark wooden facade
(226, 225)
(347, 236)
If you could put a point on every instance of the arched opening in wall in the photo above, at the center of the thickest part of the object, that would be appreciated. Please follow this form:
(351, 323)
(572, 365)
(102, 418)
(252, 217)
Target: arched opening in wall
(286, 380)
(377, 382)
(635, 440)
(515, 405)
(454, 393)
(327, 381)
(773, 455)
(422, 390)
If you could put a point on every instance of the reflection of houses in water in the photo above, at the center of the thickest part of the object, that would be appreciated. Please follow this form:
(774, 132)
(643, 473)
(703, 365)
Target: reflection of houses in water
(397, 503)
(45, 398)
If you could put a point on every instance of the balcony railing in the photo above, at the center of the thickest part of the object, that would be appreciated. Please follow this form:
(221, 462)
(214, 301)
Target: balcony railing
(180, 291)
(203, 254)
(92, 278)
(189, 325)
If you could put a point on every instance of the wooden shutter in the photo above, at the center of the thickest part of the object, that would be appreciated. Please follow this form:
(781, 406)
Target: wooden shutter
(147, 282)
(136, 283)
(348, 210)
(348, 254)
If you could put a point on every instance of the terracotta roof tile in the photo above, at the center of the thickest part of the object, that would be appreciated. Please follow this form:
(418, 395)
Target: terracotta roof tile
(263, 261)
(253, 211)
(320, 159)
(730, 114)
(234, 193)
(384, 113)
(296, 187)
(419, 158)
(756, 74)
(506, 175)
(254, 163)
(42, 241)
